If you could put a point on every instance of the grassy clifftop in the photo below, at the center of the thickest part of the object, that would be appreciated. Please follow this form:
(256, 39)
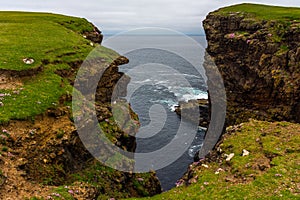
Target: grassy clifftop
(265, 12)
(38, 45)
(41, 36)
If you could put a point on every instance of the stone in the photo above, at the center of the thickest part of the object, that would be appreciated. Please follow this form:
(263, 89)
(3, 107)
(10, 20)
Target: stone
(245, 153)
(229, 157)
(28, 61)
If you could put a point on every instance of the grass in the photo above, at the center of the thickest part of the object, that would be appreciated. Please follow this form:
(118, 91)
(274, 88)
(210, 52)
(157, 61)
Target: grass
(39, 36)
(271, 171)
(55, 42)
(111, 182)
(265, 12)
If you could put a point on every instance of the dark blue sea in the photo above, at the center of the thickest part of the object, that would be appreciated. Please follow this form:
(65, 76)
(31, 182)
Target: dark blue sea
(161, 77)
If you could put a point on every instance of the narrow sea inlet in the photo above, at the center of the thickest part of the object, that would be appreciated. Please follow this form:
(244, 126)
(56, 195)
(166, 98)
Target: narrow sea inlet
(160, 79)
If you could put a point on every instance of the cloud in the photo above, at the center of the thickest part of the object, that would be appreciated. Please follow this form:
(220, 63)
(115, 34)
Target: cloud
(113, 16)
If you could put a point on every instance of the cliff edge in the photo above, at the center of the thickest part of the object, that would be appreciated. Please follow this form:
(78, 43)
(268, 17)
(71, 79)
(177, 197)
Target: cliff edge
(256, 49)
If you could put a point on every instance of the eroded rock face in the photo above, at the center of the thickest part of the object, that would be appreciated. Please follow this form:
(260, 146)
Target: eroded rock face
(260, 64)
(112, 82)
(48, 151)
(95, 36)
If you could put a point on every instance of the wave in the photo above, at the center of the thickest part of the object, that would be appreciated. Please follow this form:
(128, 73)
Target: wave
(143, 81)
(194, 149)
(188, 93)
(179, 94)
(169, 102)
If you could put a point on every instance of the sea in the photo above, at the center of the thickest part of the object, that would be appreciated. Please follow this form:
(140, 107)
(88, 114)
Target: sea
(164, 70)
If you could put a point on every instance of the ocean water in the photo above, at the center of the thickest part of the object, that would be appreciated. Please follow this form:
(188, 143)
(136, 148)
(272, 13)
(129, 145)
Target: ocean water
(160, 79)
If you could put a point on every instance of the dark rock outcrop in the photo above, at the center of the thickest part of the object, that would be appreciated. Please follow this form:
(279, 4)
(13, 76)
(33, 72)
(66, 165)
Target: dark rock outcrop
(112, 82)
(259, 61)
(187, 109)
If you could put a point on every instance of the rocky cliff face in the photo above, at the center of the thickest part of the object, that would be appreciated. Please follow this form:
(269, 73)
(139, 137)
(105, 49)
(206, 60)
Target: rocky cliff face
(41, 154)
(259, 61)
(49, 151)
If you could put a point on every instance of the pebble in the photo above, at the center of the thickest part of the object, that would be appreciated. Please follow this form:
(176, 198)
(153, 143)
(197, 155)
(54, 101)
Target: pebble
(206, 183)
(203, 165)
(28, 61)
(219, 170)
(245, 153)
(229, 157)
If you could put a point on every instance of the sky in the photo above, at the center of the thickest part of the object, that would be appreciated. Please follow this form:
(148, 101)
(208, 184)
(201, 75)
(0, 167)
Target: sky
(114, 16)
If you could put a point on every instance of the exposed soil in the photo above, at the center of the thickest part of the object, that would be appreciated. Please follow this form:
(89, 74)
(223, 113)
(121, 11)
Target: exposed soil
(9, 83)
(23, 136)
(39, 156)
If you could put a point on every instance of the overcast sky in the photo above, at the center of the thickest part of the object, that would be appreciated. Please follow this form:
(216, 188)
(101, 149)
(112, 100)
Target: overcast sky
(113, 16)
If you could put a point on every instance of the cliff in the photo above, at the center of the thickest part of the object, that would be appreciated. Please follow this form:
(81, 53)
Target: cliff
(41, 154)
(256, 49)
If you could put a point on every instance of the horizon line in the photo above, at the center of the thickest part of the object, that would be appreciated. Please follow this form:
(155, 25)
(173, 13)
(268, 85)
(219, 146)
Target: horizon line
(188, 34)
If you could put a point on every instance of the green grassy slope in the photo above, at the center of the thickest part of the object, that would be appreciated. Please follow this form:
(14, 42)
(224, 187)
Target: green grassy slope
(270, 171)
(40, 36)
(265, 12)
(54, 42)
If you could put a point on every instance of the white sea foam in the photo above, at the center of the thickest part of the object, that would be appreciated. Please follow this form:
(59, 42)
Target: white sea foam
(181, 94)
(169, 102)
(143, 81)
(194, 149)
(188, 93)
